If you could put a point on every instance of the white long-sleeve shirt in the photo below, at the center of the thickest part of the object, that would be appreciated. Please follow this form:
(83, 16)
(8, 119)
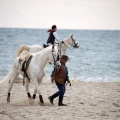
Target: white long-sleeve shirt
(57, 40)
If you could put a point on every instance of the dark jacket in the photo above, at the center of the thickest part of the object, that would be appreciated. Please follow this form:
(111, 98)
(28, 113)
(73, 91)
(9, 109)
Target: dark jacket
(51, 38)
(62, 75)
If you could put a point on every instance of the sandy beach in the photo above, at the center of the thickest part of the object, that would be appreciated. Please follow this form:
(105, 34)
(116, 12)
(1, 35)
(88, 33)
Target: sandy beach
(85, 100)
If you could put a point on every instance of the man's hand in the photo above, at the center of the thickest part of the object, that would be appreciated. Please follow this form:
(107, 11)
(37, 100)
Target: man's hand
(52, 79)
(69, 82)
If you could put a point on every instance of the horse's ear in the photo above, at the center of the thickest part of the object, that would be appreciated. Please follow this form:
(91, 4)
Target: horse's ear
(71, 35)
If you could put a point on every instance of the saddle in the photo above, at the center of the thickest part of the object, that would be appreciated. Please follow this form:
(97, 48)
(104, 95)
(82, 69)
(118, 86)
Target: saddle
(24, 62)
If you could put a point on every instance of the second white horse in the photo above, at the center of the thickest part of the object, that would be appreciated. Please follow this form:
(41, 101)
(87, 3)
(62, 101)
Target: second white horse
(63, 46)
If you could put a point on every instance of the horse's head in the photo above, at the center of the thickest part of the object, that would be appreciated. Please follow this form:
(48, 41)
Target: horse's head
(54, 57)
(73, 42)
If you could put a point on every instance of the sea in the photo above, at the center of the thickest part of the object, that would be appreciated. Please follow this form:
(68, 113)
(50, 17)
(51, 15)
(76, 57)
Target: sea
(96, 60)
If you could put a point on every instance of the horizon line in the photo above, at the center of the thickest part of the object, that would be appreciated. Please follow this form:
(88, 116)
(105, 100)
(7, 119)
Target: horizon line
(59, 28)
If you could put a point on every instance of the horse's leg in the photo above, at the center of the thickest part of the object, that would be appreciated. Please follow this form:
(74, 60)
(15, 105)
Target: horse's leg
(27, 88)
(14, 75)
(35, 90)
(37, 87)
(34, 95)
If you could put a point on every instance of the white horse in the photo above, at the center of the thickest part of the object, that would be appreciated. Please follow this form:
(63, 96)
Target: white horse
(35, 71)
(63, 46)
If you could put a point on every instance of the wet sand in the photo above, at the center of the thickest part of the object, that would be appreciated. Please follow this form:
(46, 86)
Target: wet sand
(85, 100)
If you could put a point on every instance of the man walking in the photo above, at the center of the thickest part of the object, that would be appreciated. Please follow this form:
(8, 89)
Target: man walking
(61, 77)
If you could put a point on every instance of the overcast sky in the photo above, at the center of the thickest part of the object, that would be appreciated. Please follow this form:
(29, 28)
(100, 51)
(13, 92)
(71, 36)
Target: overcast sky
(70, 14)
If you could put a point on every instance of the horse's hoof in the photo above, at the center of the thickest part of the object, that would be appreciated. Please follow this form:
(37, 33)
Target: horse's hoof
(34, 96)
(8, 97)
(29, 95)
(41, 99)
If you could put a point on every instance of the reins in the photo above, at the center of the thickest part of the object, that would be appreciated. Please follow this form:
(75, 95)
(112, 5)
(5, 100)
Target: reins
(65, 44)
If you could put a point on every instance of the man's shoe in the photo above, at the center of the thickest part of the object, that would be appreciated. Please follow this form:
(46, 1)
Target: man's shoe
(62, 104)
(60, 101)
(51, 98)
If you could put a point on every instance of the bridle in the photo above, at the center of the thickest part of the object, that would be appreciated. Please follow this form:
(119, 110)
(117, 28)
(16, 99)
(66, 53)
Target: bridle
(74, 45)
(54, 56)
(56, 67)
(73, 42)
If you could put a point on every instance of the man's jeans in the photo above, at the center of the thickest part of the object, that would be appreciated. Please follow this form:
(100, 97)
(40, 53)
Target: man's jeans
(61, 88)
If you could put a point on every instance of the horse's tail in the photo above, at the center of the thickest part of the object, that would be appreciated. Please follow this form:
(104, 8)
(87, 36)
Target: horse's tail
(22, 48)
(6, 79)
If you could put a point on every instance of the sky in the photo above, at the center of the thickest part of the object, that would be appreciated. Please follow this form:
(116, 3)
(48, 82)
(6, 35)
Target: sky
(66, 14)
